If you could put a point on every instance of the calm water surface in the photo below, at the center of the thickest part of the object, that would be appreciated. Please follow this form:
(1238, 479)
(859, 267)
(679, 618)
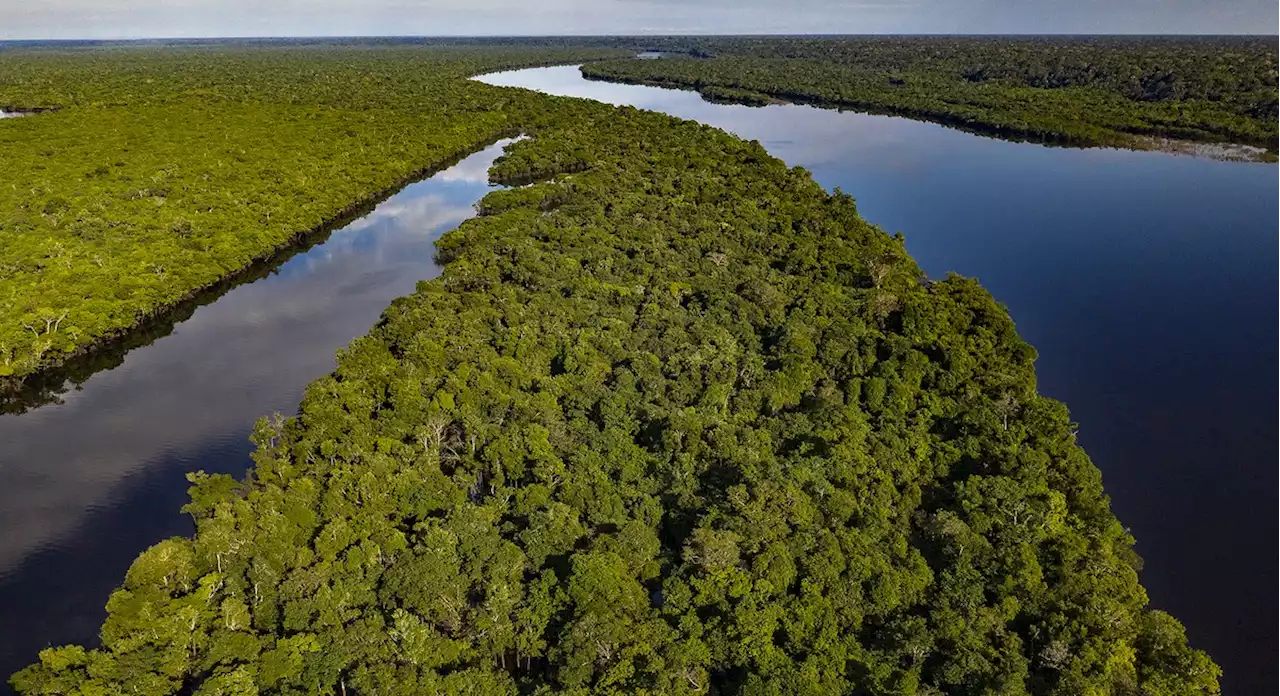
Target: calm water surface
(1148, 283)
(87, 484)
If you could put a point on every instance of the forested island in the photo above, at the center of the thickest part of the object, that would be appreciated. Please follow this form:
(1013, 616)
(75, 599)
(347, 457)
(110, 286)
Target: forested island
(1110, 91)
(674, 419)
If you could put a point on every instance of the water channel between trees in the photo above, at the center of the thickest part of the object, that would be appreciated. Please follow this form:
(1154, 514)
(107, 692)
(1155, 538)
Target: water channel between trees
(88, 483)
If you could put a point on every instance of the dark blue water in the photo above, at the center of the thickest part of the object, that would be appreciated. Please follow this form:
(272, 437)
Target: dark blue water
(87, 484)
(1148, 283)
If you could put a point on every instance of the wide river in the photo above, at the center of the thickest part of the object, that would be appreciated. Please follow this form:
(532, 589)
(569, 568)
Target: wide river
(1147, 282)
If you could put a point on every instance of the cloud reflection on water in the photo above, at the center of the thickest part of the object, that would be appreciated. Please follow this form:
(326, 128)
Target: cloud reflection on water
(249, 353)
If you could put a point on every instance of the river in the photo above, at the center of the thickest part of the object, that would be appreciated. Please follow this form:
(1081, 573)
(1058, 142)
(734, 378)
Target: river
(1146, 280)
(88, 483)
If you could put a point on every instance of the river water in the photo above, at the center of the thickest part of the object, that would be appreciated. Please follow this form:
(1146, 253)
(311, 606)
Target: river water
(87, 484)
(1148, 283)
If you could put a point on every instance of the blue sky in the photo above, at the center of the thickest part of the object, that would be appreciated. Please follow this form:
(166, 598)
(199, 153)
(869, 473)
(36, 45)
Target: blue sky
(35, 19)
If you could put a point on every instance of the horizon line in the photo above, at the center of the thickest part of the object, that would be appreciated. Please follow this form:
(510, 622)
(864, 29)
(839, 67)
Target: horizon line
(646, 35)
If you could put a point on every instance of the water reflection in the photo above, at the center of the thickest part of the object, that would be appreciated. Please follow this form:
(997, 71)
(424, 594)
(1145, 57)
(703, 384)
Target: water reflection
(88, 483)
(1148, 283)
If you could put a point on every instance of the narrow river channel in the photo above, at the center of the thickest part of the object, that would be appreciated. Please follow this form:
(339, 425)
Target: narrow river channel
(88, 483)
(1146, 280)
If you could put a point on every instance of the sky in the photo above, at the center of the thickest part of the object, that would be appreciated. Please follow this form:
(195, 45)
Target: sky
(65, 19)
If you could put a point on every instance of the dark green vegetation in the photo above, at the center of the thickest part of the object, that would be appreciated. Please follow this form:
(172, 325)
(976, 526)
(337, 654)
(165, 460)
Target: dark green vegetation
(731, 95)
(161, 172)
(1072, 90)
(673, 421)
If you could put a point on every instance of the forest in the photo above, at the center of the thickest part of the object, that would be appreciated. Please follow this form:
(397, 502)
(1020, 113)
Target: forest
(154, 173)
(1107, 91)
(674, 419)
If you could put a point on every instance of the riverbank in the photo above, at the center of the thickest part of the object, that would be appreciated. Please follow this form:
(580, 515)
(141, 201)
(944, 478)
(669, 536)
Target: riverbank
(997, 87)
(1222, 152)
(42, 385)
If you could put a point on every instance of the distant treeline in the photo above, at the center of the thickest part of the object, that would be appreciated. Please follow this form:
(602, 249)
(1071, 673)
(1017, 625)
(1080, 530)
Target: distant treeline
(1075, 90)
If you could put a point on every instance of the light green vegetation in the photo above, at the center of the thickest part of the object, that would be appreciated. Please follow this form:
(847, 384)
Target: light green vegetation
(162, 171)
(1071, 90)
(673, 420)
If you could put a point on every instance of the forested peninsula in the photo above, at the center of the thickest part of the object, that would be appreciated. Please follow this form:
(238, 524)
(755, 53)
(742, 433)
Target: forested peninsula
(674, 419)
(1108, 91)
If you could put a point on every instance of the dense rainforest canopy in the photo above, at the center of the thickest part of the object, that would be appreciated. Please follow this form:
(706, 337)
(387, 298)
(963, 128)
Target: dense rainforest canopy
(1076, 90)
(158, 172)
(674, 420)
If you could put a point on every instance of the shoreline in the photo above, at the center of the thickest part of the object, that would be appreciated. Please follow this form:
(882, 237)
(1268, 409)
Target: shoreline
(18, 111)
(1217, 151)
(1225, 151)
(19, 393)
